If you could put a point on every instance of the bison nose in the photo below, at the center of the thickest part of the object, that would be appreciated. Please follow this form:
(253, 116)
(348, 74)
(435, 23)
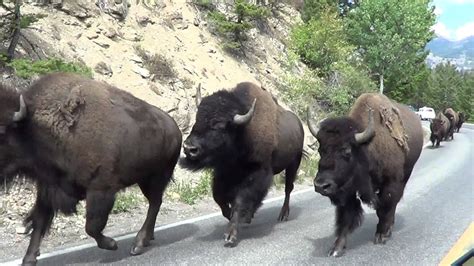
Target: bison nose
(325, 187)
(190, 150)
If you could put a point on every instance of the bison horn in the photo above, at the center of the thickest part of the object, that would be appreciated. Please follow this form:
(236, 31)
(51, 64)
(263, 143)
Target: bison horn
(198, 95)
(314, 129)
(21, 114)
(244, 119)
(369, 132)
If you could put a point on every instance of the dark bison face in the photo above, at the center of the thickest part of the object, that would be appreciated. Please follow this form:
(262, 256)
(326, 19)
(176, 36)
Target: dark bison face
(436, 127)
(340, 153)
(214, 137)
(12, 111)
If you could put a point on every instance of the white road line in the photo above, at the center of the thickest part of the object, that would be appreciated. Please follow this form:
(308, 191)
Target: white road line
(157, 229)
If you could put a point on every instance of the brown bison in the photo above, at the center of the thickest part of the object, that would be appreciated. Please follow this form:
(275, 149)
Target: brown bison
(439, 127)
(453, 121)
(83, 139)
(245, 137)
(366, 157)
(462, 118)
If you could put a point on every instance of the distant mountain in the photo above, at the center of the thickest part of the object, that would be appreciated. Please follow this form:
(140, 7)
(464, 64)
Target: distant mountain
(452, 49)
(460, 53)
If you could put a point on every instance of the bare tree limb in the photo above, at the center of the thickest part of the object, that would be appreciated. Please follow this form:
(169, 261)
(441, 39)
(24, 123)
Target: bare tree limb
(16, 32)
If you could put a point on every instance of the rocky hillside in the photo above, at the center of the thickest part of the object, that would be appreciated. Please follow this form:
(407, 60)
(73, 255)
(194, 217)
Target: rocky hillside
(118, 41)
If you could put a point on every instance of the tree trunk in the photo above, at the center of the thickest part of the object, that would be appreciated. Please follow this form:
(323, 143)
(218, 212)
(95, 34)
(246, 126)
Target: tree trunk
(381, 83)
(16, 32)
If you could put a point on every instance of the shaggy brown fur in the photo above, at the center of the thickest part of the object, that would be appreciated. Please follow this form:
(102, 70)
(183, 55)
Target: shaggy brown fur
(403, 132)
(84, 139)
(261, 131)
(244, 156)
(453, 119)
(373, 169)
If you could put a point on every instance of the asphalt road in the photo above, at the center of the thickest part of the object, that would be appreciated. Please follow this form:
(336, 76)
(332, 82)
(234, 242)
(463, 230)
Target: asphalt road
(437, 207)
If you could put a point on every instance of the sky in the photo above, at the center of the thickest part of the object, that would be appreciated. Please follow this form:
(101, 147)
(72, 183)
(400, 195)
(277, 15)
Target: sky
(455, 19)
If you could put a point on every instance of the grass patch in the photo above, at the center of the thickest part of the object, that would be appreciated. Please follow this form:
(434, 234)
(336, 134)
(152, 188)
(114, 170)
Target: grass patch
(308, 169)
(26, 68)
(189, 192)
(127, 200)
(160, 67)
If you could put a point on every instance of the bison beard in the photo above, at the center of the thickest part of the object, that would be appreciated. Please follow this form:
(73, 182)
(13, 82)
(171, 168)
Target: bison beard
(82, 139)
(244, 153)
(373, 168)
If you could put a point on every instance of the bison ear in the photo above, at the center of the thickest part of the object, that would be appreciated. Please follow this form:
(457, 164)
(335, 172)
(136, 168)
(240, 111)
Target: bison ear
(217, 124)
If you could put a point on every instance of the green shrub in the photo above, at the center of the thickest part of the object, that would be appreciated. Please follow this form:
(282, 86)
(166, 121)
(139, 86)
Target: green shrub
(233, 28)
(320, 43)
(27, 20)
(308, 168)
(204, 4)
(334, 94)
(127, 200)
(189, 192)
(27, 68)
(161, 67)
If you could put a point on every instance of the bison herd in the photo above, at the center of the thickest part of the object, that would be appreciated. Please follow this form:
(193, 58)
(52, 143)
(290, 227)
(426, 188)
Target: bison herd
(445, 124)
(80, 139)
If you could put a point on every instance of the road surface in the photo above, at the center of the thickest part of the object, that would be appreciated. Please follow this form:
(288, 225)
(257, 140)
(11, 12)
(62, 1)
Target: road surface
(436, 209)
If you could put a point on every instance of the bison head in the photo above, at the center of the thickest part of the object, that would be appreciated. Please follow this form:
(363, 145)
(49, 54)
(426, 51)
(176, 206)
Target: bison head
(340, 152)
(220, 119)
(436, 127)
(12, 111)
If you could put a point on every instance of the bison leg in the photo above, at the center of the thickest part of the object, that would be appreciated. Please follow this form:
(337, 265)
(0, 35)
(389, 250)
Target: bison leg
(247, 200)
(98, 206)
(41, 217)
(219, 193)
(290, 176)
(389, 198)
(153, 190)
(348, 218)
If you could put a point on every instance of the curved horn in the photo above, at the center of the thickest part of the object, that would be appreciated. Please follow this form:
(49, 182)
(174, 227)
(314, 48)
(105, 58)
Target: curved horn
(21, 114)
(314, 129)
(198, 95)
(244, 119)
(369, 132)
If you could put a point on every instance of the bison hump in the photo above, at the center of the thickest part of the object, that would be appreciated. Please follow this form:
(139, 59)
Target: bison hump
(392, 120)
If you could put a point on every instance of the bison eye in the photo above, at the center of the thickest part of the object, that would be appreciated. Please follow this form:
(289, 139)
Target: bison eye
(218, 125)
(346, 152)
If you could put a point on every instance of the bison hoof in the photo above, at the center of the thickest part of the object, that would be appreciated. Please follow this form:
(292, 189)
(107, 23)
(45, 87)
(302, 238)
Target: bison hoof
(283, 216)
(230, 241)
(137, 250)
(31, 262)
(381, 238)
(107, 243)
(336, 253)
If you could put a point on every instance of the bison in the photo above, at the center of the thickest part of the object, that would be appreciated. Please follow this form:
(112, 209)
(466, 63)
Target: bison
(439, 127)
(453, 121)
(368, 158)
(82, 139)
(245, 137)
(462, 118)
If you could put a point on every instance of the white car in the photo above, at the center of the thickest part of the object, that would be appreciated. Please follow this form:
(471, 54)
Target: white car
(426, 113)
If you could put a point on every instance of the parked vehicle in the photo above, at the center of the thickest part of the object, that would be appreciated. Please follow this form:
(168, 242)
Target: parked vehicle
(426, 113)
